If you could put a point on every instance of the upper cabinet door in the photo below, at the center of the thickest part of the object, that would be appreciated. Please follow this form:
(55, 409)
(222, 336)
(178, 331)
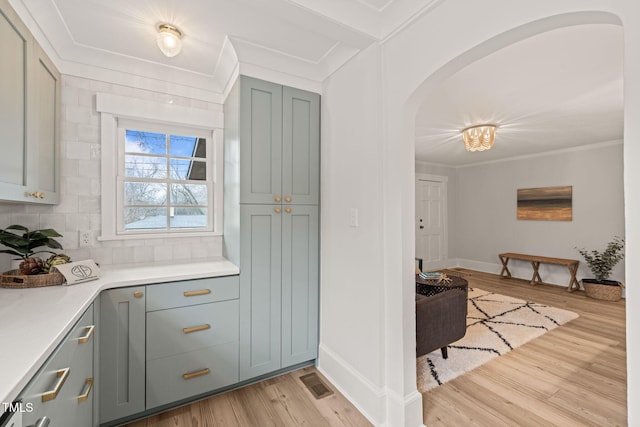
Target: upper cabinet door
(260, 141)
(47, 114)
(29, 115)
(300, 147)
(16, 45)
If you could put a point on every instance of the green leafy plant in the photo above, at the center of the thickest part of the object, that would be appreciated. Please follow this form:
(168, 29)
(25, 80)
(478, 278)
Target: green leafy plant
(25, 244)
(601, 263)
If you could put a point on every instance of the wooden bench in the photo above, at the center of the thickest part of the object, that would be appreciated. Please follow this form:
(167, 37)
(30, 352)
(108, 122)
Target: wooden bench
(535, 260)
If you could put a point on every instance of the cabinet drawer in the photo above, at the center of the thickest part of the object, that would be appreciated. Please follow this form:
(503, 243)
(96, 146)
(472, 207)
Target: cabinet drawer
(188, 374)
(184, 329)
(55, 389)
(191, 292)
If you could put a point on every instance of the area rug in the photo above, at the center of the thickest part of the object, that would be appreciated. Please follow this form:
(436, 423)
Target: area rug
(496, 324)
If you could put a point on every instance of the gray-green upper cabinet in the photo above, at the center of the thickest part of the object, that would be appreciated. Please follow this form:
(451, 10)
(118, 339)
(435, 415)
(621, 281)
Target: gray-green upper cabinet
(16, 45)
(29, 115)
(300, 147)
(44, 156)
(279, 134)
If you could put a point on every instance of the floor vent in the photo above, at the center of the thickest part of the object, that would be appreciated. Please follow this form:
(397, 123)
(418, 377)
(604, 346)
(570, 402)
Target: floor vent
(316, 386)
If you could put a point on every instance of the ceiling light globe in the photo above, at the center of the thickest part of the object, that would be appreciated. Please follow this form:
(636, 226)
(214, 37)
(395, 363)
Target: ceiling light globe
(169, 40)
(479, 138)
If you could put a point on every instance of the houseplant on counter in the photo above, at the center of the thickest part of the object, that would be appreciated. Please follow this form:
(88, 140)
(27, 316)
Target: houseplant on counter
(33, 271)
(601, 264)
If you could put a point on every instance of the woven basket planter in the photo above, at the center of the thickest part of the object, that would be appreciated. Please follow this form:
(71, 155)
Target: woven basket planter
(13, 279)
(607, 290)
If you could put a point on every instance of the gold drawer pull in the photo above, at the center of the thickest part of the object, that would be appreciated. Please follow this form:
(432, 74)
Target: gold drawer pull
(196, 328)
(277, 199)
(287, 210)
(287, 199)
(196, 293)
(196, 374)
(84, 396)
(85, 339)
(138, 294)
(62, 375)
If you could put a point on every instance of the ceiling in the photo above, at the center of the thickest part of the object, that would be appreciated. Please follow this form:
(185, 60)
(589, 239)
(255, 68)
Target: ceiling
(115, 39)
(558, 90)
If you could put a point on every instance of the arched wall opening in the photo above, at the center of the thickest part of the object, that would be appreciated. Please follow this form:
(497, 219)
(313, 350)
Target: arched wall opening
(407, 94)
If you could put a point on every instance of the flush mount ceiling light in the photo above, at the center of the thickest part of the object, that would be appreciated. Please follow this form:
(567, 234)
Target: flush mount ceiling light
(479, 138)
(169, 39)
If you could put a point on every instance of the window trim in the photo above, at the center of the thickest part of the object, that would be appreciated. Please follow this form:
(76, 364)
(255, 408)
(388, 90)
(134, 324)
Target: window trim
(115, 108)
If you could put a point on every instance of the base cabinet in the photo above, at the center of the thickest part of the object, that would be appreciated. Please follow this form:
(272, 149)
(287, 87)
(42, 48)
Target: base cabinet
(166, 342)
(192, 342)
(122, 353)
(62, 391)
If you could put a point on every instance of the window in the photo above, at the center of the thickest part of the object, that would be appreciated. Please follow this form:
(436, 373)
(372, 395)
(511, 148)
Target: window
(161, 169)
(163, 179)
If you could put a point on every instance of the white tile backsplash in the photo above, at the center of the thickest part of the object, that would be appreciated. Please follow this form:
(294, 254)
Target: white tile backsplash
(80, 204)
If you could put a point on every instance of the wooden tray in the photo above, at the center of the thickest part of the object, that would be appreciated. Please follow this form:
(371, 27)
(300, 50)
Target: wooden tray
(13, 279)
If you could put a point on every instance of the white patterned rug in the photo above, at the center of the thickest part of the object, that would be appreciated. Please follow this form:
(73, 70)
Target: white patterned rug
(496, 324)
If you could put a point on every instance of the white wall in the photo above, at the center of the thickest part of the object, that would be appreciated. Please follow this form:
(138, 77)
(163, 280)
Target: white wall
(413, 61)
(79, 207)
(486, 210)
(352, 315)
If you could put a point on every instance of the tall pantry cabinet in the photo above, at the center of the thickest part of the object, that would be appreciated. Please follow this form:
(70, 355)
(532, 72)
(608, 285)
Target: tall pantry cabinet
(272, 192)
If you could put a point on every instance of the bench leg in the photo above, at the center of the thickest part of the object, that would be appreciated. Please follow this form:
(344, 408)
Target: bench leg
(536, 275)
(573, 282)
(504, 261)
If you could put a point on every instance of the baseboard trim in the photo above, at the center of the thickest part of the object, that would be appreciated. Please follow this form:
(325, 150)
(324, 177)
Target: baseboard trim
(381, 406)
(368, 398)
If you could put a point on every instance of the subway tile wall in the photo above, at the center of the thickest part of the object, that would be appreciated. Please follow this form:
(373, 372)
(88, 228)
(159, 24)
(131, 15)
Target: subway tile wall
(79, 208)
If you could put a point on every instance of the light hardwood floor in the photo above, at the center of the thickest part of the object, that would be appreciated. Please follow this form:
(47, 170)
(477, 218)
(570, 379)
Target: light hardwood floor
(574, 375)
(277, 402)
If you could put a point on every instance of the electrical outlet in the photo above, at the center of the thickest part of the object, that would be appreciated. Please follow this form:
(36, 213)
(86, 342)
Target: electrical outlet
(86, 239)
(353, 217)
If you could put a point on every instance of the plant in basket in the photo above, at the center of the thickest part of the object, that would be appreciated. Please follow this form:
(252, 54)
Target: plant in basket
(601, 264)
(27, 243)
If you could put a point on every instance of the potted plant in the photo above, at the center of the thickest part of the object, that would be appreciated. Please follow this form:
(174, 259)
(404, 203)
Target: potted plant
(25, 244)
(601, 264)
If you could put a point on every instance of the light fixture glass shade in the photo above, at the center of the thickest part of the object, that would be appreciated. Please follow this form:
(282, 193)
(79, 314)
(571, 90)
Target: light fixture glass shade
(479, 138)
(169, 40)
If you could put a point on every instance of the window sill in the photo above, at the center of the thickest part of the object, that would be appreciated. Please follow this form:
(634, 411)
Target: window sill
(140, 236)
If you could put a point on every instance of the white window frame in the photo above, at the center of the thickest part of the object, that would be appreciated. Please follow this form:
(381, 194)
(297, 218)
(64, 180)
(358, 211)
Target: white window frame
(166, 118)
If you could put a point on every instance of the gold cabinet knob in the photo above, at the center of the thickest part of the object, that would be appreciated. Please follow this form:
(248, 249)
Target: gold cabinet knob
(287, 199)
(277, 199)
(287, 210)
(138, 294)
(36, 194)
(278, 210)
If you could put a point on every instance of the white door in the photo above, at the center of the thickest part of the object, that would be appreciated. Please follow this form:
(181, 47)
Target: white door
(431, 222)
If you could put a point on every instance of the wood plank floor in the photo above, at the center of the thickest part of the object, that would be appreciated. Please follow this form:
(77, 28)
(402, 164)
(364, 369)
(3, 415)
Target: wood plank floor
(574, 375)
(282, 401)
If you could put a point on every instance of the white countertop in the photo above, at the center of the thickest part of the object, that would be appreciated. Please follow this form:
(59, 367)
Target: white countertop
(34, 321)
